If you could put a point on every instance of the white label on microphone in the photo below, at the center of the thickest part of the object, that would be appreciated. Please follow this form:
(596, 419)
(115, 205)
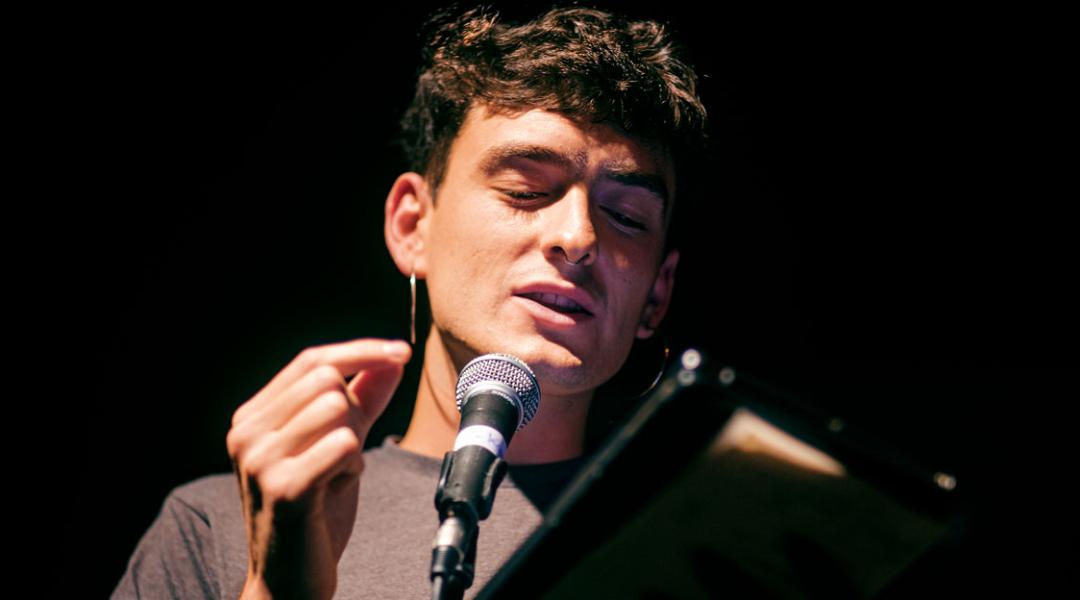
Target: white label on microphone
(483, 436)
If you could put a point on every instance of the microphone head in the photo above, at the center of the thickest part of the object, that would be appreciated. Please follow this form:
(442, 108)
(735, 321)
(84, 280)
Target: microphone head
(508, 370)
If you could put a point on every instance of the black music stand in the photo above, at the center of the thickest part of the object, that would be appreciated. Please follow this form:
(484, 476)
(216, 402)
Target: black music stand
(719, 486)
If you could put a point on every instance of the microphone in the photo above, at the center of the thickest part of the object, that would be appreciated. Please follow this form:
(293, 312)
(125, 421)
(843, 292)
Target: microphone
(497, 395)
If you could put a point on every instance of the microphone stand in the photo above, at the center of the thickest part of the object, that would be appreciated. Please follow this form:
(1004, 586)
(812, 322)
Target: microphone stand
(461, 508)
(450, 577)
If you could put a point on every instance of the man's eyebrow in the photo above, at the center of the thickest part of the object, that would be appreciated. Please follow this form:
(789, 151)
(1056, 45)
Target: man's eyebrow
(632, 177)
(499, 156)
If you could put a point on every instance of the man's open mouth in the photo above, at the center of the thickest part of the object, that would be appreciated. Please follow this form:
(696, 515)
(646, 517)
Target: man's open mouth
(556, 302)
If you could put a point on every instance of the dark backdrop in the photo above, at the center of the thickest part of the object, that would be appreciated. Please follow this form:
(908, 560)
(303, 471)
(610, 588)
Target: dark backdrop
(867, 237)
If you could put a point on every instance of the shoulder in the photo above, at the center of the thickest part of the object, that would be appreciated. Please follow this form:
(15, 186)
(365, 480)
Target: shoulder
(208, 487)
(195, 548)
(208, 497)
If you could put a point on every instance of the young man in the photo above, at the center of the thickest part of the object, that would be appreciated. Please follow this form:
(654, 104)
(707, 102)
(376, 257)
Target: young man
(546, 159)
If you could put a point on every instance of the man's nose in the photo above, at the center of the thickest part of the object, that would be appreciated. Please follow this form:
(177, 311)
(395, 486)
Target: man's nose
(568, 231)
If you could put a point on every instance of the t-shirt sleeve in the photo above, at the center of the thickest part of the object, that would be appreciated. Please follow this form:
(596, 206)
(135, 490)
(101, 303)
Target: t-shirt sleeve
(174, 558)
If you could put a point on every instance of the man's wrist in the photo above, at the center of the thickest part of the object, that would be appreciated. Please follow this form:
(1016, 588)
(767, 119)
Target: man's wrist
(255, 589)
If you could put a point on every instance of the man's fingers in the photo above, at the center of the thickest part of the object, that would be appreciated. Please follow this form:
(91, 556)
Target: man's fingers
(336, 452)
(326, 413)
(373, 389)
(375, 386)
(347, 357)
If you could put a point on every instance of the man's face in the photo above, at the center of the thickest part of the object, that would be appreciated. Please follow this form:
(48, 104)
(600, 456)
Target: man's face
(545, 242)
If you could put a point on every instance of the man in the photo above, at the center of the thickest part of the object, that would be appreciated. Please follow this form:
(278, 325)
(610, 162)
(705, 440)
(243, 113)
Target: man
(546, 159)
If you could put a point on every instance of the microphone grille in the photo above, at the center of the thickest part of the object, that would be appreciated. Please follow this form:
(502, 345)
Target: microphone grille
(506, 369)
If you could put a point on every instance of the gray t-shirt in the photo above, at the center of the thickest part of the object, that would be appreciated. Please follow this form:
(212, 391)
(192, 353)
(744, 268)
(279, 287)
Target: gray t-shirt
(197, 545)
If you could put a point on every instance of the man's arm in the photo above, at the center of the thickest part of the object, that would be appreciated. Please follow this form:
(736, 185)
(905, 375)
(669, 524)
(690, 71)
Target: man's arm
(296, 448)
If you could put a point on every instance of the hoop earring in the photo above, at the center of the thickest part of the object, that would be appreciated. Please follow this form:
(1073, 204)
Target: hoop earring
(666, 354)
(412, 311)
(646, 356)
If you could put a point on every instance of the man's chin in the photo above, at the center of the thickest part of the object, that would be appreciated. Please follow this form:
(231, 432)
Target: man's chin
(562, 374)
(559, 370)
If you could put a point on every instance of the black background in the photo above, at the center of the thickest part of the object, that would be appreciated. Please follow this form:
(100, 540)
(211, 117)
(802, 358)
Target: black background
(877, 237)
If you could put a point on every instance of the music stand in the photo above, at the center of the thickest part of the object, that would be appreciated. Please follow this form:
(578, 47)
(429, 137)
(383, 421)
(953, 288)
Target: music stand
(718, 485)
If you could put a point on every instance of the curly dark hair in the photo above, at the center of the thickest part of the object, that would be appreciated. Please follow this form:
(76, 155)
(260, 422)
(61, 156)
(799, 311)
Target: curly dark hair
(582, 62)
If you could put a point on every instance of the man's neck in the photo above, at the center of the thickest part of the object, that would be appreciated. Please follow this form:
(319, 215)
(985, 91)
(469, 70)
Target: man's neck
(556, 433)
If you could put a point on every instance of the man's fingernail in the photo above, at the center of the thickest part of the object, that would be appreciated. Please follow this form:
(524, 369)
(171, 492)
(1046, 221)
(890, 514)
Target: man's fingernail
(396, 349)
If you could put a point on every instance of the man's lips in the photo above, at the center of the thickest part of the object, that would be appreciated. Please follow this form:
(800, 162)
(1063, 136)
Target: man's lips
(567, 300)
(556, 302)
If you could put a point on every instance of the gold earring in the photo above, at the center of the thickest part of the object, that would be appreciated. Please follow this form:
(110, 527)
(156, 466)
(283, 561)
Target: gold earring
(412, 312)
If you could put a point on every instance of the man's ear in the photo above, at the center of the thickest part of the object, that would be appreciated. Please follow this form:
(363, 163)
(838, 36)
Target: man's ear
(659, 296)
(408, 206)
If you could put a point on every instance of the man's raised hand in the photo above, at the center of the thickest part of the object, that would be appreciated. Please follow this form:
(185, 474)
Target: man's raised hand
(296, 447)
